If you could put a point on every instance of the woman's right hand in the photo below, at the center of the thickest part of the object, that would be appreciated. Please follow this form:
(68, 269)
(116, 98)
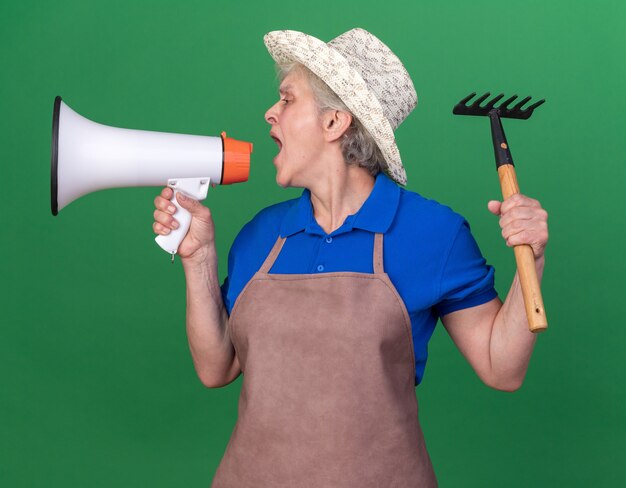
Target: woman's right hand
(201, 234)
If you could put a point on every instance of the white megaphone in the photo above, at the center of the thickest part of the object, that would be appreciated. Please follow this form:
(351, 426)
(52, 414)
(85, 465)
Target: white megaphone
(87, 156)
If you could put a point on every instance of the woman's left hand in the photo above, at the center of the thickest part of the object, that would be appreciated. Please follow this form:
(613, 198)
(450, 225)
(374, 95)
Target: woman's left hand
(523, 221)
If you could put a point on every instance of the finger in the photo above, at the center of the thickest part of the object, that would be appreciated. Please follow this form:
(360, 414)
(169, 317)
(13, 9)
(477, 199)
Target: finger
(160, 229)
(164, 204)
(193, 206)
(515, 228)
(494, 206)
(165, 219)
(523, 238)
(167, 192)
(518, 239)
(535, 234)
(532, 225)
(537, 215)
(516, 213)
(518, 200)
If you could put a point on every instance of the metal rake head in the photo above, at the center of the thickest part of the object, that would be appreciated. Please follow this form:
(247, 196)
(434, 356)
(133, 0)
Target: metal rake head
(515, 112)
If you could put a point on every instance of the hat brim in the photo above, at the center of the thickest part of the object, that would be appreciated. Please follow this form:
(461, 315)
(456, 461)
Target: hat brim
(346, 82)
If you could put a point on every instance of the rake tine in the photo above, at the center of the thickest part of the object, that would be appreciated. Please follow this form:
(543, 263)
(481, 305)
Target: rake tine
(467, 98)
(535, 105)
(490, 105)
(480, 100)
(518, 106)
(507, 101)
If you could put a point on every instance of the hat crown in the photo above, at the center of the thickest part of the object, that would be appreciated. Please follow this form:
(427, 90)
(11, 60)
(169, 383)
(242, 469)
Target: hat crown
(383, 73)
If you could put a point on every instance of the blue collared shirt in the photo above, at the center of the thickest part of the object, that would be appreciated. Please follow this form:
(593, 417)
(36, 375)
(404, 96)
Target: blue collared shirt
(429, 253)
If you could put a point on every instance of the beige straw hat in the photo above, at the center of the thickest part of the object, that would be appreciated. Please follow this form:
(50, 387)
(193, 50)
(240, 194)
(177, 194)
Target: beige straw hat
(366, 75)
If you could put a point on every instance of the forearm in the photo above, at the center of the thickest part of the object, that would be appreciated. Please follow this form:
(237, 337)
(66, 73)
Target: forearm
(511, 342)
(207, 318)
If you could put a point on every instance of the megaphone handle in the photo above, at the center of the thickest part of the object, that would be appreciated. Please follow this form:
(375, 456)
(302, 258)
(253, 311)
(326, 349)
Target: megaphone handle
(192, 187)
(171, 241)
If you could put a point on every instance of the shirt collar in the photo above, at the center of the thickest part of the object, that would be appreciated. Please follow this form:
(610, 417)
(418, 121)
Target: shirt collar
(375, 215)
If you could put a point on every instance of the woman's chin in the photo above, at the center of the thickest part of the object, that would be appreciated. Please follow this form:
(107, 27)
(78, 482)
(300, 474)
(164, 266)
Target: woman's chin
(281, 180)
(281, 177)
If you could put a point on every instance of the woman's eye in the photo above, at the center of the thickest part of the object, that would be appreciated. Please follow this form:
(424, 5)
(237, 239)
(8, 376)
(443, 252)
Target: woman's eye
(284, 100)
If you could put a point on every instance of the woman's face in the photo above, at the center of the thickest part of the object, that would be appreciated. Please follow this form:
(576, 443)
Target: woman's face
(297, 129)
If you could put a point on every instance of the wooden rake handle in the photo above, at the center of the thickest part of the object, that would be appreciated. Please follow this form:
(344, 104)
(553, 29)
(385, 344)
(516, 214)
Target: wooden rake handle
(525, 259)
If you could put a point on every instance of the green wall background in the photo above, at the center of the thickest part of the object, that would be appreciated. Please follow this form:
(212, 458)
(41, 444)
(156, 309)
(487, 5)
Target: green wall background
(97, 384)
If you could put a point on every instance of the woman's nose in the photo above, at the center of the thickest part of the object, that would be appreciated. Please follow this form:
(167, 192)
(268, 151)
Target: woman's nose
(271, 115)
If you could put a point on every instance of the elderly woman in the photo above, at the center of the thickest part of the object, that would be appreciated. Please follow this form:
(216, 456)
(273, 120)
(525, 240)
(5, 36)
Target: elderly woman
(331, 298)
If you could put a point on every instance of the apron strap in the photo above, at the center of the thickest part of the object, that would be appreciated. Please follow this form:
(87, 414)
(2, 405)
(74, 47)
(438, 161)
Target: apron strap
(378, 254)
(271, 257)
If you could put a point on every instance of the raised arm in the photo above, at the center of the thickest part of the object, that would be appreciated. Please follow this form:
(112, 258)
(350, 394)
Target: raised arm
(494, 336)
(213, 355)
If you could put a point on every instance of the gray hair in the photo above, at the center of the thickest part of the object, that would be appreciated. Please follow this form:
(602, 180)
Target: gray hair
(357, 145)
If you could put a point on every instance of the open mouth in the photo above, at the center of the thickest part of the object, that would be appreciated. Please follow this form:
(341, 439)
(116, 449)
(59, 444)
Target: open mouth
(277, 141)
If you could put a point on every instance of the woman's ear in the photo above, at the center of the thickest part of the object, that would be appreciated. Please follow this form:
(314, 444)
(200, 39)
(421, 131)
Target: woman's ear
(336, 123)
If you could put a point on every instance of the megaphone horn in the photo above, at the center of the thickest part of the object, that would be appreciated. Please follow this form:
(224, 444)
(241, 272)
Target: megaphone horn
(87, 156)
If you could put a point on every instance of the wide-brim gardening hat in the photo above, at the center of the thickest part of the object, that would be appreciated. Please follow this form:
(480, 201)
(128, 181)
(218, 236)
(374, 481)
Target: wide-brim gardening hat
(364, 73)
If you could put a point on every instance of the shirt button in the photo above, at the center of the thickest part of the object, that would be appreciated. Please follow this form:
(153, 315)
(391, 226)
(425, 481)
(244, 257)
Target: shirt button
(329, 239)
(320, 267)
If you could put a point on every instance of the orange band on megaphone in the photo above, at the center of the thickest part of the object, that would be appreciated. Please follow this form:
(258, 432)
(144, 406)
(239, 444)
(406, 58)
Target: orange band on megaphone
(236, 160)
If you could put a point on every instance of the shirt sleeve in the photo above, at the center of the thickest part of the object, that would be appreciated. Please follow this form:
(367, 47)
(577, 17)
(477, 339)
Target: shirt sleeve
(466, 278)
(229, 292)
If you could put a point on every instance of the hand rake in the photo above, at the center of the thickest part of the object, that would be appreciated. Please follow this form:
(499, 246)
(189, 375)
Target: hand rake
(508, 181)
